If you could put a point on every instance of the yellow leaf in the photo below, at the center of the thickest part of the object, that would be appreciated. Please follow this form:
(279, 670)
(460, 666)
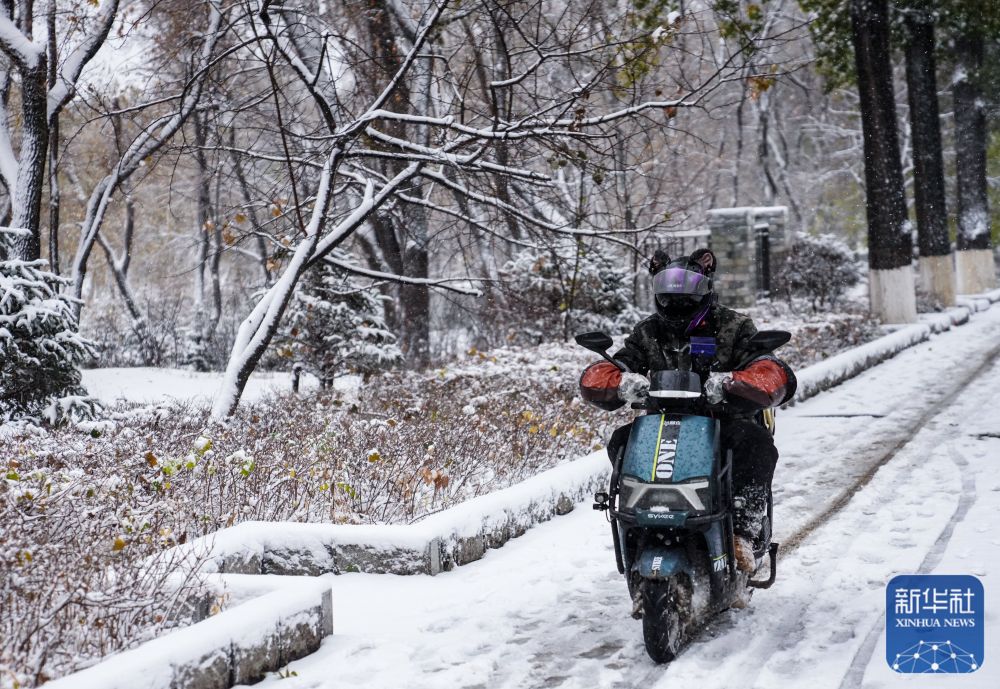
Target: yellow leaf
(151, 459)
(527, 415)
(533, 429)
(118, 545)
(228, 237)
(374, 457)
(240, 218)
(275, 212)
(553, 431)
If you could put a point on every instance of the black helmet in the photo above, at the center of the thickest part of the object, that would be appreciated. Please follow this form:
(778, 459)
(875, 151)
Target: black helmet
(683, 288)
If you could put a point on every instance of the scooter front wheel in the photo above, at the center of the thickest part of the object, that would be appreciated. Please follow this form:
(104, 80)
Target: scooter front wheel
(661, 618)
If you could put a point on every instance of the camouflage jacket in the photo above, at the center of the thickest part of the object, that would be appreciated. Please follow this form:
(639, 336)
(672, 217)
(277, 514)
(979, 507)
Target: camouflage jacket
(654, 345)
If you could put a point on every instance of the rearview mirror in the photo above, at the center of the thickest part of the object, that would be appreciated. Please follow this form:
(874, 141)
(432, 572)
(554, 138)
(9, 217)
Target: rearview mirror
(769, 340)
(594, 341)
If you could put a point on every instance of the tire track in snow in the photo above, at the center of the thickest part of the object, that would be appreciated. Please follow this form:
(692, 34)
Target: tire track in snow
(856, 672)
(791, 543)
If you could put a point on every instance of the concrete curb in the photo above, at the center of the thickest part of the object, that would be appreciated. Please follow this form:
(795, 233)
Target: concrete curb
(238, 646)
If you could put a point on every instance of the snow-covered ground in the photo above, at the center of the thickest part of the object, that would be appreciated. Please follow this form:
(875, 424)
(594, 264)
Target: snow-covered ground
(151, 385)
(893, 472)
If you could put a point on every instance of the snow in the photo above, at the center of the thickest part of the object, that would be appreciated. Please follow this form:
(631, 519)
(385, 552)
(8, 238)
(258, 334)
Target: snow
(10, 36)
(871, 483)
(152, 385)
(845, 365)
(755, 211)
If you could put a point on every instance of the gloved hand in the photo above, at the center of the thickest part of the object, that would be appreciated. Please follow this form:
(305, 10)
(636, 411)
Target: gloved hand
(715, 389)
(633, 388)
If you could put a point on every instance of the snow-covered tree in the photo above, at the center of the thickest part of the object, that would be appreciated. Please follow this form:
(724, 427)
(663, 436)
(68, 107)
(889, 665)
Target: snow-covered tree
(568, 289)
(818, 268)
(40, 348)
(334, 326)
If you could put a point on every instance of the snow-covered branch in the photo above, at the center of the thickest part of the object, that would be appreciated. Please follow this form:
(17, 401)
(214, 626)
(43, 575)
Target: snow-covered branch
(67, 76)
(442, 283)
(18, 47)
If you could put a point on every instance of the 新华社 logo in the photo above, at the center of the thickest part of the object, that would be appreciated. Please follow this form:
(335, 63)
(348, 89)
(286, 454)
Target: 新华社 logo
(934, 623)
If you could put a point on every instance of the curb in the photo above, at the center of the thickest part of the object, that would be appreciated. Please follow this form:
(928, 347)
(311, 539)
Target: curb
(237, 646)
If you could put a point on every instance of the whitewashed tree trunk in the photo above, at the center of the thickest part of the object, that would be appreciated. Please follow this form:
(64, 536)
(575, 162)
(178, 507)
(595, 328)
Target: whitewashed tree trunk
(976, 271)
(937, 278)
(892, 295)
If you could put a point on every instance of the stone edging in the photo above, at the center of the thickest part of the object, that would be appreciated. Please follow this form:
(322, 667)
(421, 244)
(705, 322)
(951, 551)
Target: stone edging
(237, 646)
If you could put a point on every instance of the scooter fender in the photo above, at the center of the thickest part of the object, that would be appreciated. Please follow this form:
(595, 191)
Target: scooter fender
(660, 562)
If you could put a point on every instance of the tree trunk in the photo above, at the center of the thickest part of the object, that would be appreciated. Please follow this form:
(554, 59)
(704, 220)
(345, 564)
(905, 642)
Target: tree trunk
(200, 329)
(937, 276)
(27, 197)
(889, 234)
(403, 240)
(151, 353)
(975, 257)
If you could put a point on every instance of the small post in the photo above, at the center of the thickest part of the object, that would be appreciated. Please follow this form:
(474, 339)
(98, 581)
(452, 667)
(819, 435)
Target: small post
(296, 375)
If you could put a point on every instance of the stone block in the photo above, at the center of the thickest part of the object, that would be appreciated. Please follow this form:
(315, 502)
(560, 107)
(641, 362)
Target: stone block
(302, 633)
(211, 671)
(251, 663)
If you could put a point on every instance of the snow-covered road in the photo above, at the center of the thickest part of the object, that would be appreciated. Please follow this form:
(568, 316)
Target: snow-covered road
(893, 472)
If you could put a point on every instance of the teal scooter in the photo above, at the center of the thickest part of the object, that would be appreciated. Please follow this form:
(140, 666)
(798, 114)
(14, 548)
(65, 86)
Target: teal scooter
(671, 507)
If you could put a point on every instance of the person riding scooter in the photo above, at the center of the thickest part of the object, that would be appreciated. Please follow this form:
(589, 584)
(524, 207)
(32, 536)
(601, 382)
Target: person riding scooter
(691, 331)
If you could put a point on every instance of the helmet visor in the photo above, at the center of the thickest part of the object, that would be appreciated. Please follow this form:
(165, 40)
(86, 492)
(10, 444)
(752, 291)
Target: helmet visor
(680, 282)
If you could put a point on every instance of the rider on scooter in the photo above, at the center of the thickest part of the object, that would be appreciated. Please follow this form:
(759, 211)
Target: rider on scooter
(690, 331)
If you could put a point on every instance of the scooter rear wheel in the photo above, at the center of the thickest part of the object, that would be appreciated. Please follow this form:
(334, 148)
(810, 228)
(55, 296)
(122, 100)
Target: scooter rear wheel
(661, 619)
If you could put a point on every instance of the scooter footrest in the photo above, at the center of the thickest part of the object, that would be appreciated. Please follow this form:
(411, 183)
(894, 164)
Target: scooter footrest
(772, 554)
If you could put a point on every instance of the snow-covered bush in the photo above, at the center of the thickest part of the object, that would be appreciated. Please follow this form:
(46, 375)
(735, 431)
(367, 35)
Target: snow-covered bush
(333, 327)
(74, 587)
(40, 349)
(570, 288)
(818, 268)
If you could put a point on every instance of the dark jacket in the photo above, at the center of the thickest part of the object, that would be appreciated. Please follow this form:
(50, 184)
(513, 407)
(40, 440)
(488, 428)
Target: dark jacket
(764, 380)
(654, 345)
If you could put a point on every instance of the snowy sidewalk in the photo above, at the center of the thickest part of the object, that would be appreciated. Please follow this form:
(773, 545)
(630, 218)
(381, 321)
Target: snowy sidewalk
(549, 609)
